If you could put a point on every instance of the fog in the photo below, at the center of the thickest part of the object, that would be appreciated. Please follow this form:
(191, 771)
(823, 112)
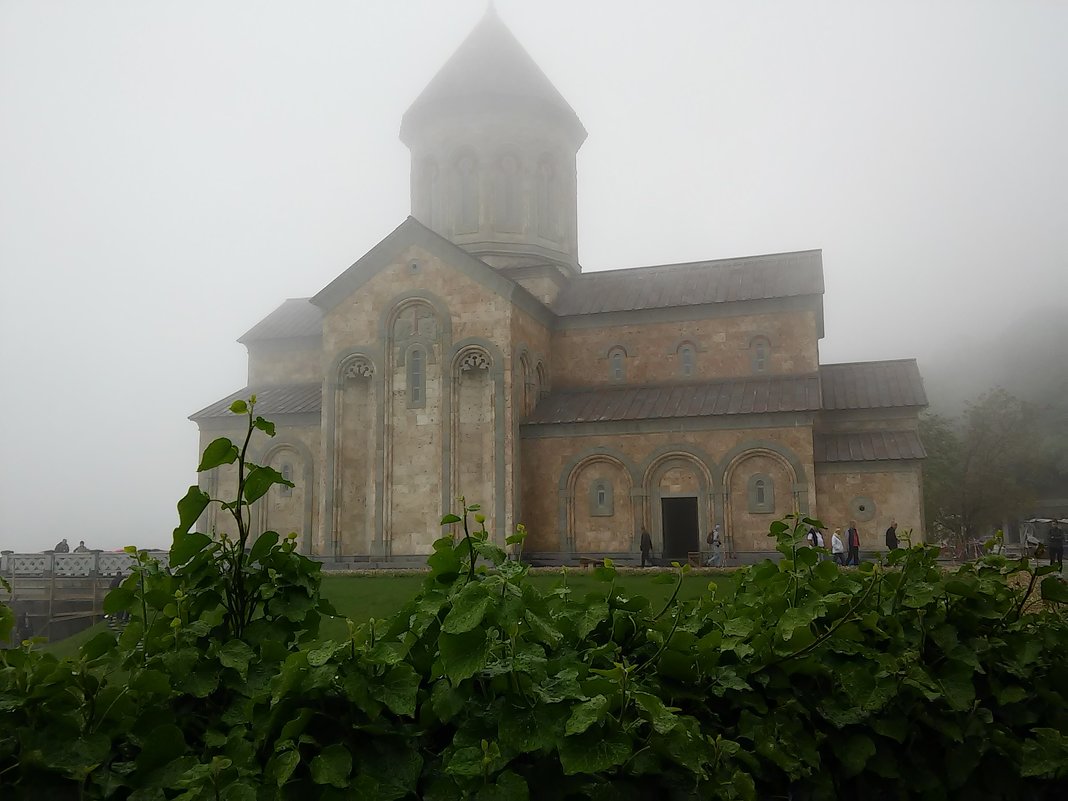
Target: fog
(170, 172)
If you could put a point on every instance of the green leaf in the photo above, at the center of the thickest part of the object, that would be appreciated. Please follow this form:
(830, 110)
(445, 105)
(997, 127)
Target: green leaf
(162, 744)
(117, 600)
(468, 609)
(185, 546)
(190, 508)
(661, 717)
(281, 766)
(854, 751)
(260, 479)
(586, 714)
(592, 617)
(463, 654)
(449, 519)
(1054, 590)
(219, 452)
(239, 407)
(236, 654)
(509, 787)
(332, 766)
(238, 791)
(594, 751)
(264, 543)
(398, 689)
(266, 426)
(534, 728)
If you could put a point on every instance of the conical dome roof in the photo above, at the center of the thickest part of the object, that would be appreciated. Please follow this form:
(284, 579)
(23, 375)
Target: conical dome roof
(490, 71)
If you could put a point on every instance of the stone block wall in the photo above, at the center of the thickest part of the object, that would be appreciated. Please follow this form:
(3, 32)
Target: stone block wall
(886, 491)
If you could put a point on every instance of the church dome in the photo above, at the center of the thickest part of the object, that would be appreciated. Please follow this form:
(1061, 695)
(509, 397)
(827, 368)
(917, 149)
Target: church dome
(490, 71)
(493, 147)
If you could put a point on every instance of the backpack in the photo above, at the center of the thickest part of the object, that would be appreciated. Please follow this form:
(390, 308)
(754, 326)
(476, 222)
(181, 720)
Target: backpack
(708, 539)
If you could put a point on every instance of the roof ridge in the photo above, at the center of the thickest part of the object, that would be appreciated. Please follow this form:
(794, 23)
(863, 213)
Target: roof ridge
(870, 361)
(698, 262)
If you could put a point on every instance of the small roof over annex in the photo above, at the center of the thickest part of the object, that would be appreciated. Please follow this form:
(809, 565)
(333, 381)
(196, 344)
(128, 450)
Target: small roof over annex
(296, 317)
(753, 395)
(775, 275)
(270, 400)
(872, 385)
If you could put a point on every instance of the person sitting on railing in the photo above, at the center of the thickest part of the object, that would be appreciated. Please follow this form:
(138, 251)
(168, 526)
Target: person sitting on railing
(81, 547)
(62, 547)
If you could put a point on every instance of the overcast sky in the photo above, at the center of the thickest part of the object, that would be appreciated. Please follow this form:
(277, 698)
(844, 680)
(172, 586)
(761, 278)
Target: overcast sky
(169, 172)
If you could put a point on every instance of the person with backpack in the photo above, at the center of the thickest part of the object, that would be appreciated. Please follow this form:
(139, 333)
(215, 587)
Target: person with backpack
(715, 548)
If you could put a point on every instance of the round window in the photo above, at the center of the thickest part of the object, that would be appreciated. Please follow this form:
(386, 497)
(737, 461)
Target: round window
(862, 508)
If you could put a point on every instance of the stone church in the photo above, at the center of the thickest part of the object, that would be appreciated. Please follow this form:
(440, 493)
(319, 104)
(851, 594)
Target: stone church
(468, 354)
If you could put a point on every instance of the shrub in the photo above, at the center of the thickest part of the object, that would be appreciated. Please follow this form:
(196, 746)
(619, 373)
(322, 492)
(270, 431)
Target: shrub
(802, 680)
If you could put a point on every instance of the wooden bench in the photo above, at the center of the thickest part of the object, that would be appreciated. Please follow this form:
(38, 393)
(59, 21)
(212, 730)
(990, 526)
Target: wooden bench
(693, 558)
(586, 562)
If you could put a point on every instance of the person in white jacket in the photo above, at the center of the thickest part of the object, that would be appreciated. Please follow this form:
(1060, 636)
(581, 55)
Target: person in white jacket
(837, 547)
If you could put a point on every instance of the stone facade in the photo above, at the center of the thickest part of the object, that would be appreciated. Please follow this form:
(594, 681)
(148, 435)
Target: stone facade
(467, 354)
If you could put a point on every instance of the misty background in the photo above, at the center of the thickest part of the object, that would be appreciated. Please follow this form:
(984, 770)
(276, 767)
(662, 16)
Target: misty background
(170, 172)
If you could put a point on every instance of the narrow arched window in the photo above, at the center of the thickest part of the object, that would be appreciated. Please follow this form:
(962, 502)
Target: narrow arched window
(761, 494)
(617, 365)
(287, 474)
(416, 377)
(601, 504)
(686, 360)
(760, 351)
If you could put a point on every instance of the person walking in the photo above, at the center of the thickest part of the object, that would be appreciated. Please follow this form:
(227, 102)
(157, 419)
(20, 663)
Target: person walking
(891, 536)
(646, 547)
(61, 546)
(1056, 545)
(838, 547)
(853, 544)
(715, 548)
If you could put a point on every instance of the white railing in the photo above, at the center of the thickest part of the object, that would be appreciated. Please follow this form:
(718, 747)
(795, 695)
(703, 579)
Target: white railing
(87, 563)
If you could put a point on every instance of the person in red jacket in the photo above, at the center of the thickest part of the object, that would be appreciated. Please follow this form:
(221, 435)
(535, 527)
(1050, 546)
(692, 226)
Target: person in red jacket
(852, 544)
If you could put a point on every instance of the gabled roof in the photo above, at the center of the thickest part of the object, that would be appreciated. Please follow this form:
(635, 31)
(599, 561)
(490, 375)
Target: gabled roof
(412, 232)
(776, 275)
(296, 317)
(872, 385)
(270, 400)
(734, 396)
(867, 446)
(490, 69)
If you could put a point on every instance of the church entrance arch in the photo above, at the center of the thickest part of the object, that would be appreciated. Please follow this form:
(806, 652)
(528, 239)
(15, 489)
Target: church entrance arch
(681, 527)
(678, 487)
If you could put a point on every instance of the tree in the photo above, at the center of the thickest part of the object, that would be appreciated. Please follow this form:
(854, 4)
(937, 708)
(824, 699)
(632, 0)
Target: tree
(982, 469)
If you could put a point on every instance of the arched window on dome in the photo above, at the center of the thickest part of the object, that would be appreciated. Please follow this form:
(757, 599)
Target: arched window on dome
(548, 203)
(467, 201)
(507, 198)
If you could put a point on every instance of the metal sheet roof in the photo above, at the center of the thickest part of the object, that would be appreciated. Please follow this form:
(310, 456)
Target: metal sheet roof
(776, 275)
(296, 317)
(872, 385)
(281, 399)
(867, 446)
(734, 396)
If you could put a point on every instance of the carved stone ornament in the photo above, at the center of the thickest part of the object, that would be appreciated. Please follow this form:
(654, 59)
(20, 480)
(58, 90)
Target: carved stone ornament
(474, 360)
(359, 368)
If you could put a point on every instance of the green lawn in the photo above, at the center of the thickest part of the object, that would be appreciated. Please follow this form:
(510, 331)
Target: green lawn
(362, 597)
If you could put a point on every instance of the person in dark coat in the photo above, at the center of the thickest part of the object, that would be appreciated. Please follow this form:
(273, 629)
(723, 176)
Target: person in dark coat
(62, 547)
(852, 544)
(647, 547)
(891, 537)
(1056, 545)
